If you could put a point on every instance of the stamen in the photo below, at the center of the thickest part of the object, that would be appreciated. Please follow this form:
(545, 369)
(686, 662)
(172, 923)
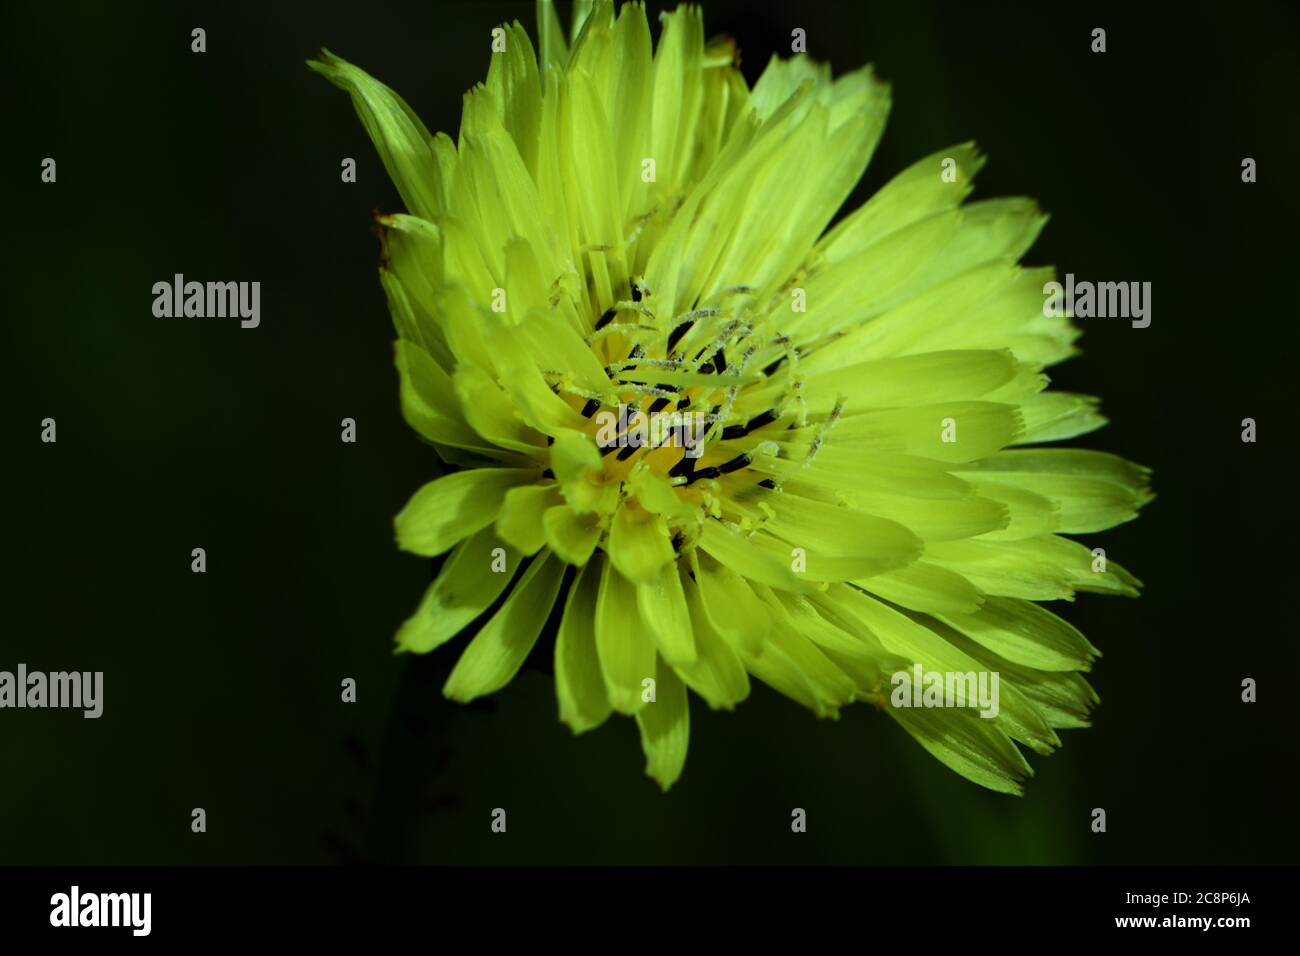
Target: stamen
(736, 290)
(568, 388)
(682, 469)
(704, 473)
(822, 428)
(755, 423)
(641, 388)
(699, 314)
(636, 361)
(735, 464)
(619, 329)
(676, 334)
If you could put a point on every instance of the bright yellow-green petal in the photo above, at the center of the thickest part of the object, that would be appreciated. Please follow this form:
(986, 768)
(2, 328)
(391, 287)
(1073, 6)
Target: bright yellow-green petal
(794, 666)
(498, 650)
(623, 227)
(554, 48)
(1091, 491)
(1026, 633)
(404, 145)
(922, 586)
(729, 604)
(520, 520)
(867, 544)
(429, 402)
(639, 545)
(572, 535)
(467, 585)
(665, 726)
(717, 674)
(624, 641)
(578, 467)
(972, 747)
(662, 605)
(916, 193)
(490, 412)
(733, 550)
(579, 686)
(455, 506)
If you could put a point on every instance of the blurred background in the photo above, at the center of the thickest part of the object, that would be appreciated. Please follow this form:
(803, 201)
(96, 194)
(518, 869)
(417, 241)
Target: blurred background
(222, 690)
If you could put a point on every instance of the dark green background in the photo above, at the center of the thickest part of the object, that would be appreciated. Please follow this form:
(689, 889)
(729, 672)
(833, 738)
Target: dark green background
(222, 690)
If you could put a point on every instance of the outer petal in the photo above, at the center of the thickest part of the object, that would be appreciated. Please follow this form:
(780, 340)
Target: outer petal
(638, 543)
(665, 725)
(571, 534)
(520, 521)
(466, 586)
(499, 649)
(449, 508)
(623, 640)
(662, 605)
(1026, 633)
(404, 144)
(717, 674)
(968, 744)
(579, 687)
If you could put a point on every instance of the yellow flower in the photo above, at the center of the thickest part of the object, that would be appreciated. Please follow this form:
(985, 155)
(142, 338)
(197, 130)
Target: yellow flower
(732, 442)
